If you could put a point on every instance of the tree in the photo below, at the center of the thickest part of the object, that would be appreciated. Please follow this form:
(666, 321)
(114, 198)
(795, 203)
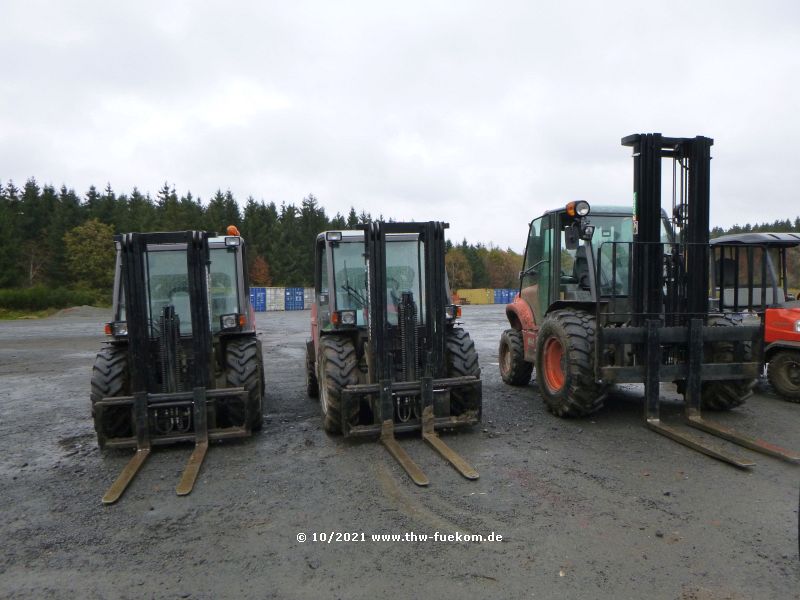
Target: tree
(259, 271)
(458, 270)
(90, 254)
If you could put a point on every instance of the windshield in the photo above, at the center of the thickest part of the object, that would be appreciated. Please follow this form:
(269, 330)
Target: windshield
(612, 240)
(168, 282)
(350, 277)
(405, 262)
(223, 285)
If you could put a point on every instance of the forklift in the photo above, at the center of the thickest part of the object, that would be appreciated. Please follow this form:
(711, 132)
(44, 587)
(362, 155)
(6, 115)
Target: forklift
(182, 362)
(386, 354)
(616, 294)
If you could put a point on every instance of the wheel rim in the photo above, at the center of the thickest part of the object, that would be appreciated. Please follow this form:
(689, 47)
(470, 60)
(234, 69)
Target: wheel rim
(554, 364)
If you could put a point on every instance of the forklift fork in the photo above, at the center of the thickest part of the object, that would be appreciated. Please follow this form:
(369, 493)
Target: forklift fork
(693, 414)
(428, 434)
(200, 397)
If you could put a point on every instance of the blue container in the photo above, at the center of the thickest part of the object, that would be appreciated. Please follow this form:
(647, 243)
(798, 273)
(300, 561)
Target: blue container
(499, 296)
(293, 298)
(258, 298)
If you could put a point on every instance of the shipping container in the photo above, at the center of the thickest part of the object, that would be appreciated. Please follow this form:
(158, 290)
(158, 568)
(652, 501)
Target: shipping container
(308, 297)
(293, 298)
(275, 298)
(477, 296)
(258, 298)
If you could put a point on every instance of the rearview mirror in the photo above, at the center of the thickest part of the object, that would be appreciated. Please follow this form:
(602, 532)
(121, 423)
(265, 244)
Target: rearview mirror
(572, 236)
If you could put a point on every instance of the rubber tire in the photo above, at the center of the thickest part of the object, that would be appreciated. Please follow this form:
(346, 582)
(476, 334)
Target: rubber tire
(462, 360)
(337, 367)
(244, 368)
(514, 369)
(724, 395)
(312, 384)
(110, 378)
(580, 394)
(778, 374)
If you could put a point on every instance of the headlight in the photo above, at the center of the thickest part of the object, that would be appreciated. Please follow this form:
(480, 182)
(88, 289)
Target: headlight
(453, 311)
(229, 321)
(344, 318)
(578, 208)
(117, 328)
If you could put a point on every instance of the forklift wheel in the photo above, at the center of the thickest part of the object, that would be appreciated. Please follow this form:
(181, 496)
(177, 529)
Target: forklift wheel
(462, 360)
(312, 385)
(110, 378)
(784, 374)
(243, 368)
(338, 368)
(565, 364)
(514, 369)
(726, 394)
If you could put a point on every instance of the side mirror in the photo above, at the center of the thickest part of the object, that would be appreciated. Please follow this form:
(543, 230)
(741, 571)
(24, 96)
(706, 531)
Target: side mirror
(587, 232)
(572, 235)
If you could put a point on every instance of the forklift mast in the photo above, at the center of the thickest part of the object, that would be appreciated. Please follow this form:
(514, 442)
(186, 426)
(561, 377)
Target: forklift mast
(133, 250)
(687, 291)
(432, 330)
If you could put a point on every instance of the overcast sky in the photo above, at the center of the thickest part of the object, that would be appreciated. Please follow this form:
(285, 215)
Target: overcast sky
(483, 114)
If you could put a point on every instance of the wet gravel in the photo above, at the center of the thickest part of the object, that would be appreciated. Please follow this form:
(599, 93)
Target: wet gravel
(590, 508)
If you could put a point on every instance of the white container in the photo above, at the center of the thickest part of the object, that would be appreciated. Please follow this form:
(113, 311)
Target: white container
(276, 298)
(308, 298)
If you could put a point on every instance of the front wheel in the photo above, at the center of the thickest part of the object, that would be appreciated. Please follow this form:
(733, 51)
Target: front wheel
(462, 360)
(312, 385)
(514, 369)
(730, 393)
(565, 364)
(337, 367)
(110, 378)
(244, 367)
(783, 374)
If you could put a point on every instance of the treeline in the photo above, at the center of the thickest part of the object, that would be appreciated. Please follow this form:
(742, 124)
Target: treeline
(478, 266)
(56, 238)
(784, 225)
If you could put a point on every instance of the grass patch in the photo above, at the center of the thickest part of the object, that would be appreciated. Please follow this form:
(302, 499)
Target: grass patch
(39, 298)
(9, 313)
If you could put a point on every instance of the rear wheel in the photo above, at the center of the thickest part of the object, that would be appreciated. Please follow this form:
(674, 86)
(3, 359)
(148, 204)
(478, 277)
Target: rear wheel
(337, 367)
(514, 369)
(783, 374)
(462, 360)
(110, 378)
(565, 364)
(244, 368)
(312, 385)
(727, 394)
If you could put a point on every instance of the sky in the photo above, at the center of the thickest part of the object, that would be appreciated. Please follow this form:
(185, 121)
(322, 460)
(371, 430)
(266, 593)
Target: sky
(482, 114)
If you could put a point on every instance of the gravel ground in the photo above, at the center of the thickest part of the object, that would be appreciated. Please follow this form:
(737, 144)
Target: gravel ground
(590, 508)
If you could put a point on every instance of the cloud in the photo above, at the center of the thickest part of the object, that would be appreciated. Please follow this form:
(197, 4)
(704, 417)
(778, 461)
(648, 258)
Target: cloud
(482, 115)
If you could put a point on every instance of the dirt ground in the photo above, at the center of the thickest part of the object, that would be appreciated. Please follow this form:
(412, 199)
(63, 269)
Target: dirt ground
(590, 508)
